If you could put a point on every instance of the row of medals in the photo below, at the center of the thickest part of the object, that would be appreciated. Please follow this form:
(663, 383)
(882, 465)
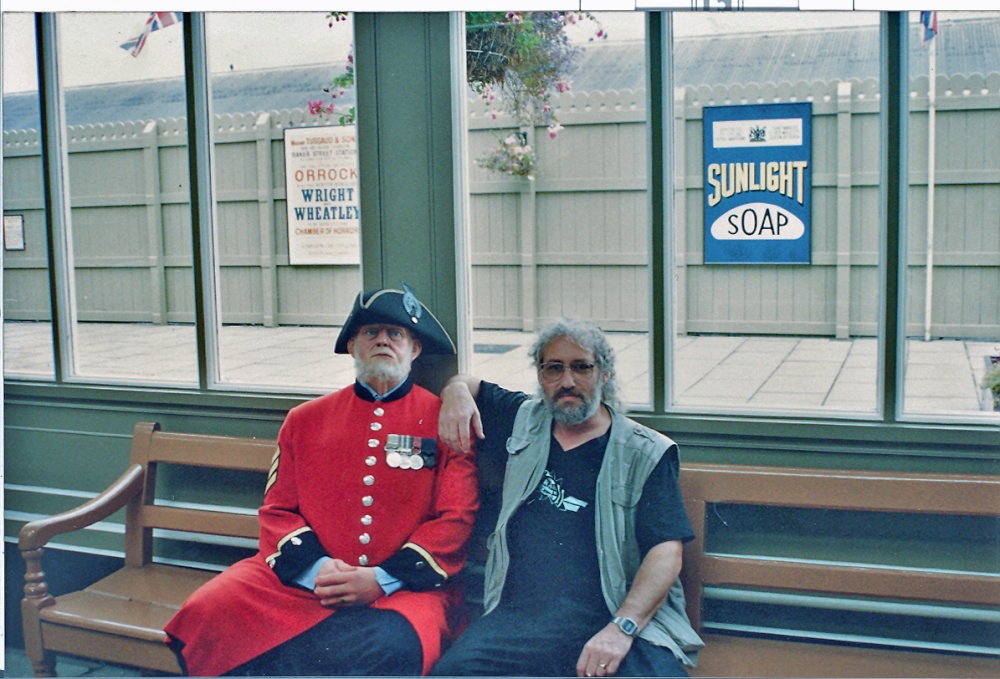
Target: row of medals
(401, 454)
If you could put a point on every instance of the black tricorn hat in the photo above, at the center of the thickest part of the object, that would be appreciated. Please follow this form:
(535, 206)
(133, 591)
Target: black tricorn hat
(396, 307)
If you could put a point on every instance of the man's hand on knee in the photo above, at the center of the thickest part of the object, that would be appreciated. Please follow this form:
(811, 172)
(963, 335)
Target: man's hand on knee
(604, 653)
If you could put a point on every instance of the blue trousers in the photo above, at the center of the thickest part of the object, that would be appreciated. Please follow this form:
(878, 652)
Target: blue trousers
(508, 642)
(356, 641)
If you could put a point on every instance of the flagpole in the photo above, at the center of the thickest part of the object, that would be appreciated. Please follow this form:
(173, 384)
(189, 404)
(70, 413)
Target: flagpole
(931, 135)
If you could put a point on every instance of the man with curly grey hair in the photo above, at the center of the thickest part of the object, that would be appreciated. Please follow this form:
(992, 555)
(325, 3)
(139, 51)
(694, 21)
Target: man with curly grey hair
(582, 572)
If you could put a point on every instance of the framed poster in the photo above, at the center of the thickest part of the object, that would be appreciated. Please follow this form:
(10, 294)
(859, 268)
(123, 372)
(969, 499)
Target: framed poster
(13, 232)
(758, 183)
(321, 191)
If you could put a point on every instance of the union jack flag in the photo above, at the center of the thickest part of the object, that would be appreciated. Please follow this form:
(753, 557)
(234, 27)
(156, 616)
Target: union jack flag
(155, 22)
(929, 21)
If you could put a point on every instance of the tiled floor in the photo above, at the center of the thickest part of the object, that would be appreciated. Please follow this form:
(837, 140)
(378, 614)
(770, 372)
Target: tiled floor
(788, 374)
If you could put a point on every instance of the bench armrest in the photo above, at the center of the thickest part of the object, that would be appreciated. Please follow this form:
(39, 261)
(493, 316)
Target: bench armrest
(35, 534)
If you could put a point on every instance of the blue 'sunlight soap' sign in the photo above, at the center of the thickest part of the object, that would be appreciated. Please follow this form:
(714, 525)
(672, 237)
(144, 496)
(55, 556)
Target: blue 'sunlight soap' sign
(757, 184)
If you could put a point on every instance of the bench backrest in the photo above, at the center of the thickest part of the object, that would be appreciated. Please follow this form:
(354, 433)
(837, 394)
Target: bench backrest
(703, 485)
(151, 448)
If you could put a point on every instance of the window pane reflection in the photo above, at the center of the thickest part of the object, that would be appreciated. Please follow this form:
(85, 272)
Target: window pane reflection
(953, 267)
(559, 217)
(288, 273)
(122, 75)
(27, 331)
(756, 333)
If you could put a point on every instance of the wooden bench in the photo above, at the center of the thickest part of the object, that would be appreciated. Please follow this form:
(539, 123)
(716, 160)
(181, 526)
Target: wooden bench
(120, 618)
(705, 487)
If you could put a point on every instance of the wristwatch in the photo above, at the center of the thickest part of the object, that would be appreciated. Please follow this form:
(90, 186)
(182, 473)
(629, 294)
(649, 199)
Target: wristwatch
(626, 625)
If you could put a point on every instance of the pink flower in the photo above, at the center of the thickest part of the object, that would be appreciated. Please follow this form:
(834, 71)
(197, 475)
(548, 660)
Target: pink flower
(554, 129)
(317, 107)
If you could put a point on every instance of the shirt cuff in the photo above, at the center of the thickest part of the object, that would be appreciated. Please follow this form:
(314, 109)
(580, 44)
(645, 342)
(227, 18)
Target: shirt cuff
(388, 583)
(307, 578)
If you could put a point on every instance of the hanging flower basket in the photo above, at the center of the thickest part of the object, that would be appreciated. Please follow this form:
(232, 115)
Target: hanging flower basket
(513, 156)
(490, 49)
(514, 60)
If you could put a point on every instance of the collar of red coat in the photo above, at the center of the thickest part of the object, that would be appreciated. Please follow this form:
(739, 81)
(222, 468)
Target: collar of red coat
(399, 392)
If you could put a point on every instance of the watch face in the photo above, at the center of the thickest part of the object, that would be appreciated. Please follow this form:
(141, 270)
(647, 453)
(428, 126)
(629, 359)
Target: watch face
(627, 626)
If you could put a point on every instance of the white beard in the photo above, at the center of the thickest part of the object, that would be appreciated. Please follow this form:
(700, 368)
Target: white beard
(382, 371)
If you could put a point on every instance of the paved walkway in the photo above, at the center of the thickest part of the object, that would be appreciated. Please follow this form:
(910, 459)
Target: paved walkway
(717, 372)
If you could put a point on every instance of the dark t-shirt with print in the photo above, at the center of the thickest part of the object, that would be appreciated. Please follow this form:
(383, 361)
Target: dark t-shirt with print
(551, 538)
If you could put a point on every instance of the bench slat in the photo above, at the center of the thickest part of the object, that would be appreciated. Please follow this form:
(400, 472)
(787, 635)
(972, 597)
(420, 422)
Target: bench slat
(731, 656)
(851, 580)
(113, 648)
(202, 521)
(211, 451)
(847, 490)
(141, 620)
(168, 585)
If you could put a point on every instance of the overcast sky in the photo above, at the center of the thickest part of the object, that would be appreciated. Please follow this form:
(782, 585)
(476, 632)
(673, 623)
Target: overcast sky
(254, 40)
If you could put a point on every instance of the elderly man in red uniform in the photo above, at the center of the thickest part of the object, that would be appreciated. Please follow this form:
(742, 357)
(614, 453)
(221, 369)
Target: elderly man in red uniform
(363, 528)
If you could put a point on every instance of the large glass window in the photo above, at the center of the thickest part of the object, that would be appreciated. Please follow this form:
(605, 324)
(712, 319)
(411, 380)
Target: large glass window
(27, 329)
(129, 293)
(558, 187)
(281, 293)
(953, 264)
(776, 212)
(286, 196)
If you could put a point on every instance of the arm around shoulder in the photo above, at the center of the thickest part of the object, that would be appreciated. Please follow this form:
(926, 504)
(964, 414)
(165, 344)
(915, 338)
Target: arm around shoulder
(459, 421)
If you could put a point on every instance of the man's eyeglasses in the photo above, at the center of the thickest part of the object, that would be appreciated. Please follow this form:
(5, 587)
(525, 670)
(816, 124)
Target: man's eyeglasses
(554, 370)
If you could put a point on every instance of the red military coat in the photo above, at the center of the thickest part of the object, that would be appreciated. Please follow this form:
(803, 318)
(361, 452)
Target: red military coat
(331, 492)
